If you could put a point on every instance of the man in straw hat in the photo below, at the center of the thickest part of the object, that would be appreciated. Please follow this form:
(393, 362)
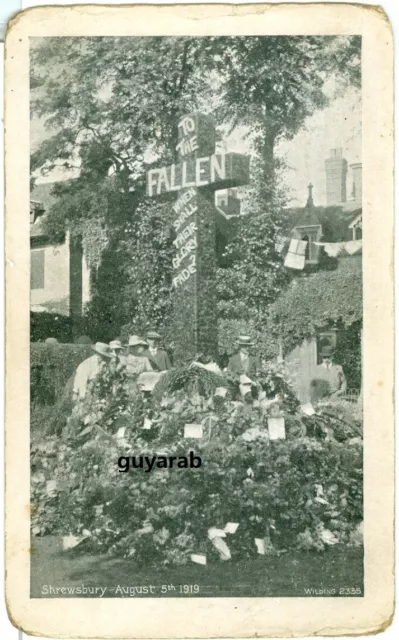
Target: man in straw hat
(242, 362)
(90, 368)
(158, 358)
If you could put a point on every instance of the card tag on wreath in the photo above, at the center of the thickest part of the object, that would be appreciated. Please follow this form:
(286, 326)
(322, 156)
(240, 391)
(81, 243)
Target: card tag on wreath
(260, 546)
(147, 423)
(221, 392)
(199, 559)
(307, 409)
(193, 431)
(231, 527)
(214, 532)
(276, 428)
(222, 548)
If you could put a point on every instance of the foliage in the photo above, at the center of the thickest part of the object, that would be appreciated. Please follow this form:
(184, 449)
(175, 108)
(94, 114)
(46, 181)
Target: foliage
(189, 379)
(132, 285)
(122, 119)
(51, 367)
(265, 86)
(349, 353)
(49, 325)
(112, 105)
(317, 301)
(256, 273)
(114, 97)
(305, 491)
(230, 328)
(273, 84)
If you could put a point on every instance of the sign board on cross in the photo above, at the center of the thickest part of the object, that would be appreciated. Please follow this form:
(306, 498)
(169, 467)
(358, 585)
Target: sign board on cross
(197, 173)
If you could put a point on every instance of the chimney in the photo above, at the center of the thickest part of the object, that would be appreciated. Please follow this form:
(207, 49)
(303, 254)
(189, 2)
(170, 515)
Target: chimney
(336, 170)
(357, 181)
(228, 202)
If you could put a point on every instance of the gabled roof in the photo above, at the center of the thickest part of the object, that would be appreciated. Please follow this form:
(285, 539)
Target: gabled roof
(355, 220)
(335, 221)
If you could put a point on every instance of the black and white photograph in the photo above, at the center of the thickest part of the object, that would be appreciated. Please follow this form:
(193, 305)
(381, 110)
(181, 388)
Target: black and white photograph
(196, 286)
(196, 338)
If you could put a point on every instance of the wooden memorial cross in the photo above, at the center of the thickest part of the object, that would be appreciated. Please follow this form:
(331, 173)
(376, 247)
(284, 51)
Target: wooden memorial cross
(197, 174)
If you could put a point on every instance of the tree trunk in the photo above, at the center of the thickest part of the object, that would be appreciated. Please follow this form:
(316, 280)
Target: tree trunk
(269, 163)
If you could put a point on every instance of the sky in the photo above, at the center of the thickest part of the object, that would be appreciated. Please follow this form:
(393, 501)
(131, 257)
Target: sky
(338, 126)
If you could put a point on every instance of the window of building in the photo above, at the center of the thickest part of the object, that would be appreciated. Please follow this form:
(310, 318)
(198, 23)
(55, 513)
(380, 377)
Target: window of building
(307, 250)
(311, 254)
(37, 269)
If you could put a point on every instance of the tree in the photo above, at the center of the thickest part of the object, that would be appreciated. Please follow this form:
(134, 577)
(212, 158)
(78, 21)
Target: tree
(133, 281)
(112, 106)
(272, 84)
(125, 94)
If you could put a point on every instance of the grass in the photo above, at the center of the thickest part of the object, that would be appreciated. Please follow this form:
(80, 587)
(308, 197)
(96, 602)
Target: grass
(287, 575)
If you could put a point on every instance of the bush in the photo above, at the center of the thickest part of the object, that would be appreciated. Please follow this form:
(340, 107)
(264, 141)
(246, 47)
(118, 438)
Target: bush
(51, 368)
(301, 492)
(50, 325)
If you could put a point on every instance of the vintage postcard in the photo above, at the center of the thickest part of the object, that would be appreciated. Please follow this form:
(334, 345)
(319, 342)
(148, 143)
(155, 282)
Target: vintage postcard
(199, 321)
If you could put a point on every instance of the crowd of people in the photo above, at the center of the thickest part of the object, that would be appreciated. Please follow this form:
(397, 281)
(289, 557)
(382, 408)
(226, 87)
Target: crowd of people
(138, 356)
(145, 356)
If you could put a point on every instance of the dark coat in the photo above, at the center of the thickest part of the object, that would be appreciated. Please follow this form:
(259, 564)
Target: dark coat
(236, 367)
(159, 362)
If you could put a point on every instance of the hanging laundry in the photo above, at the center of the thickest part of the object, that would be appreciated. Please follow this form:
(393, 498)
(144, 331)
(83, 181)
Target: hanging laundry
(295, 258)
(332, 249)
(353, 246)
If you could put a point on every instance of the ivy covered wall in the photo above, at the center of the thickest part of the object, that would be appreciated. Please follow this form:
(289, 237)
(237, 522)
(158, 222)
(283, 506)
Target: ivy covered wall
(320, 300)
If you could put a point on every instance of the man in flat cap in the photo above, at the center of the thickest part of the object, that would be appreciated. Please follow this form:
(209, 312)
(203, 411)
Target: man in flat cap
(243, 363)
(329, 381)
(158, 358)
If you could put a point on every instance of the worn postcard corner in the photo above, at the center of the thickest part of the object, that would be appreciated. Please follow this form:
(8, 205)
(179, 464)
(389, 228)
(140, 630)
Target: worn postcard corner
(199, 321)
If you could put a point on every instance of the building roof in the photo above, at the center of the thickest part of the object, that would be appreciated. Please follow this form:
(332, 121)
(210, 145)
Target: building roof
(335, 220)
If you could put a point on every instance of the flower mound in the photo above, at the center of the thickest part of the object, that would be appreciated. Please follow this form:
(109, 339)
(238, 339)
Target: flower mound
(304, 491)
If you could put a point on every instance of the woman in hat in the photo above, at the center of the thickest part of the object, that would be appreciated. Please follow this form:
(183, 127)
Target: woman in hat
(137, 362)
(242, 362)
(116, 349)
(158, 358)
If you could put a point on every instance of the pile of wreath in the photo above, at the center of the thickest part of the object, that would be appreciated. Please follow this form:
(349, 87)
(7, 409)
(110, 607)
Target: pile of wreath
(251, 495)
